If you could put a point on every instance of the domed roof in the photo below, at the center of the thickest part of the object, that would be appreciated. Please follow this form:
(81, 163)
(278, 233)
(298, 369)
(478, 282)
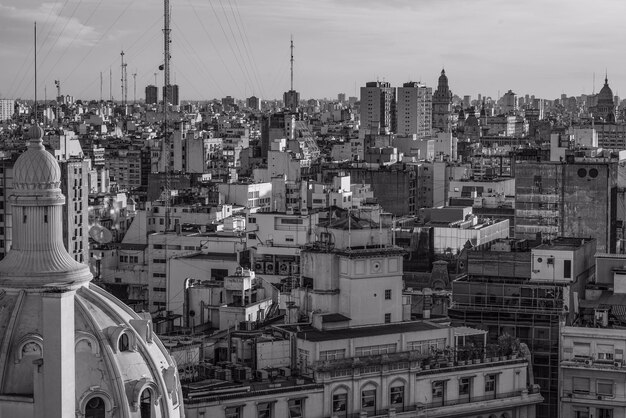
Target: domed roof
(443, 78)
(471, 120)
(606, 94)
(36, 168)
(117, 358)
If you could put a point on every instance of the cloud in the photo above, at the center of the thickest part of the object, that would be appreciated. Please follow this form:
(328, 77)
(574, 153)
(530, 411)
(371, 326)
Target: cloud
(53, 28)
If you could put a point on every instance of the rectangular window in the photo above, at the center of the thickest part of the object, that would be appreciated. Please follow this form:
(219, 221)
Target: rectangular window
(580, 384)
(159, 261)
(233, 412)
(438, 389)
(387, 318)
(159, 289)
(567, 269)
(605, 352)
(490, 383)
(582, 350)
(264, 410)
(332, 354)
(368, 399)
(296, 408)
(159, 275)
(340, 401)
(396, 396)
(374, 350)
(387, 294)
(605, 413)
(464, 386)
(604, 387)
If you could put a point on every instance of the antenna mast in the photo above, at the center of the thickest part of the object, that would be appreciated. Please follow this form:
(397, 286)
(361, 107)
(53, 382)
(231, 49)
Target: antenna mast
(291, 60)
(110, 84)
(166, 89)
(100, 86)
(135, 88)
(35, 40)
(124, 82)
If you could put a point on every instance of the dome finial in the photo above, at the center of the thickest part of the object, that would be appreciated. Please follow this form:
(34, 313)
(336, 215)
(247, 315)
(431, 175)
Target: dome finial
(35, 137)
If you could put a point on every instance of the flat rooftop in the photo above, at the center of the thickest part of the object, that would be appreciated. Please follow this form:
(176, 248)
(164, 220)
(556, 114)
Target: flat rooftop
(564, 243)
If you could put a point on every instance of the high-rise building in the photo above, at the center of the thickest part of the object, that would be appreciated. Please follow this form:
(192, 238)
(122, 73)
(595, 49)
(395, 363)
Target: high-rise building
(291, 99)
(442, 105)
(172, 94)
(508, 103)
(253, 103)
(414, 110)
(341, 97)
(152, 94)
(7, 107)
(575, 198)
(378, 108)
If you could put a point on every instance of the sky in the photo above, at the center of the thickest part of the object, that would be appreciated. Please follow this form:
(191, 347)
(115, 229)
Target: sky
(241, 47)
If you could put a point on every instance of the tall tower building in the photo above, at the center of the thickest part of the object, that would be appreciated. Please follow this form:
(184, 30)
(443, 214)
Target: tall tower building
(69, 348)
(7, 108)
(152, 94)
(605, 106)
(291, 98)
(414, 110)
(172, 94)
(378, 108)
(442, 105)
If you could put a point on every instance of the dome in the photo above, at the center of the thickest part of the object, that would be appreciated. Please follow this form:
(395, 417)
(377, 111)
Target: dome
(606, 94)
(36, 168)
(443, 78)
(471, 120)
(119, 363)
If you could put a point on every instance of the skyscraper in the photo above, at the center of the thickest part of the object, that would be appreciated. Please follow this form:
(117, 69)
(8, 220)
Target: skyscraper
(378, 108)
(414, 109)
(172, 94)
(152, 94)
(442, 105)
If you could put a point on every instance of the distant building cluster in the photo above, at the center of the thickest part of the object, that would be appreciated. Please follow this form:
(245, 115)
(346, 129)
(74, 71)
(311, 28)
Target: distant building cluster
(408, 252)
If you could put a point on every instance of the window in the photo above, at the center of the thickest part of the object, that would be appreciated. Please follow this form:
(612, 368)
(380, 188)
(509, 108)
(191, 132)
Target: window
(146, 404)
(604, 413)
(464, 386)
(374, 350)
(605, 352)
(368, 399)
(264, 410)
(159, 261)
(340, 402)
(159, 275)
(95, 408)
(387, 294)
(159, 289)
(490, 383)
(424, 347)
(604, 387)
(387, 318)
(296, 408)
(396, 396)
(567, 269)
(438, 389)
(233, 412)
(582, 350)
(580, 384)
(123, 343)
(332, 354)
(581, 412)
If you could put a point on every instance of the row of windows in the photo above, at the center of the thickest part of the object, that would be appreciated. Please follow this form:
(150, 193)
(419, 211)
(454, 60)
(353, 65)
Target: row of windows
(603, 387)
(266, 410)
(374, 350)
(129, 259)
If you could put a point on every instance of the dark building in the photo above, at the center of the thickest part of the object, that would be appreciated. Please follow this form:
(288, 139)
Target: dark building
(152, 94)
(528, 290)
(172, 94)
(573, 199)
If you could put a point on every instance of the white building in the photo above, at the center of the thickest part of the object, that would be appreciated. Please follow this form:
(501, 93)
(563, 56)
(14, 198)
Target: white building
(7, 108)
(414, 110)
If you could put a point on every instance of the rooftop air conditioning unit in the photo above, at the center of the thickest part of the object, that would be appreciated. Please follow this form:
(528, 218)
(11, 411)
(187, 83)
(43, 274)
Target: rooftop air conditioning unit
(589, 362)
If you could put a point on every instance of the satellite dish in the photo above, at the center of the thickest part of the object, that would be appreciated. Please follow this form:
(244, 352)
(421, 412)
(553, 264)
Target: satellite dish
(100, 234)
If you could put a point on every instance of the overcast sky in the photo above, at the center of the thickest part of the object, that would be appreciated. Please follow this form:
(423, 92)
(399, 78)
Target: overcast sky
(241, 47)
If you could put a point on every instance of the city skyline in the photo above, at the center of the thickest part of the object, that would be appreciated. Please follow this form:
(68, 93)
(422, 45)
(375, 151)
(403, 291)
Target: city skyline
(224, 47)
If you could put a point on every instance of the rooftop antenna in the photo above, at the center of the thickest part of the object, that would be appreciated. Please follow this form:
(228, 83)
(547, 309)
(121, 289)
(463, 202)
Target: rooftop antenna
(166, 87)
(110, 84)
(291, 60)
(135, 87)
(124, 81)
(35, 40)
(101, 86)
(594, 83)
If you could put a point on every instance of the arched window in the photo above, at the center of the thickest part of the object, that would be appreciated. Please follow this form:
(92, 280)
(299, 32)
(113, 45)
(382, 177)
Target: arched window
(146, 404)
(95, 408)
(124, 343)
